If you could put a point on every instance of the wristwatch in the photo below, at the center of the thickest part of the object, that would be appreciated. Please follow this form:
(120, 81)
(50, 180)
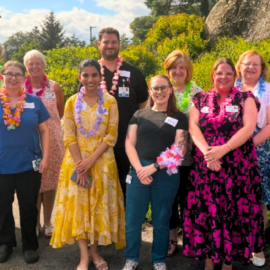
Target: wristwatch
(156, 165)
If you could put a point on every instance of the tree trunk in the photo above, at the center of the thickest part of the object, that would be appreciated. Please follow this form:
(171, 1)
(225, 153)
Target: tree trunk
(204, 8)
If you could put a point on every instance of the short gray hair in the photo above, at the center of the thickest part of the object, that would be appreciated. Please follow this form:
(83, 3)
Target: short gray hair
(36, 54)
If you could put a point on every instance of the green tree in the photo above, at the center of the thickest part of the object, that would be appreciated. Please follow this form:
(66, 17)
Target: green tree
(141, 58)
(63, 65)
(73, 41)
(140, 26)
(24, 49)
(169, 7)
(52, 33)
(15, 41)
(124, 41)
(179, 31)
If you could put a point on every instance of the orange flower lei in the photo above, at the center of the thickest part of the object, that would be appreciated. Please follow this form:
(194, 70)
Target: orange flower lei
(12, 121)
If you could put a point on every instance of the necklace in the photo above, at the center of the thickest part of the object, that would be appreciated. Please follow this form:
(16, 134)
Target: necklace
(29, 88)
(182, 99)
(261, 86)
(115, 78)
(12, 121)
(78, 109)
(211, 102)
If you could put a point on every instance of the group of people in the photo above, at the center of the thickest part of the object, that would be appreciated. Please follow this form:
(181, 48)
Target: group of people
(123, 144)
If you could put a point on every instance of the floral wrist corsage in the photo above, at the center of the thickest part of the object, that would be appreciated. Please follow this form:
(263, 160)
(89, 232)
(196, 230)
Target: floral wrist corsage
(171, 159)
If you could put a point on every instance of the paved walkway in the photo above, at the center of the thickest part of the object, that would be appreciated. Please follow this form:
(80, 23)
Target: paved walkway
(67, 258)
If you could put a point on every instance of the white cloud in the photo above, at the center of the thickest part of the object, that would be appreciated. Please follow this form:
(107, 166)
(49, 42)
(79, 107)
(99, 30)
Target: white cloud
(76, 21)
(81, 1)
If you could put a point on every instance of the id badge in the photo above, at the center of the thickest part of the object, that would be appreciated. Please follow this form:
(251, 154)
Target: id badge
(123, 91)
(35, 164)
(49, 95)
(232, 109)
(205, 109)
(128, 179)
(171, 121)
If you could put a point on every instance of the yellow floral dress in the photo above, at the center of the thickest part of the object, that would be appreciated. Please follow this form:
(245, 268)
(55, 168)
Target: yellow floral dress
(95, 213)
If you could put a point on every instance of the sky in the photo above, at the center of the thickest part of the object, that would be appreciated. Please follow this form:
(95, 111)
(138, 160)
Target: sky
(75, 15)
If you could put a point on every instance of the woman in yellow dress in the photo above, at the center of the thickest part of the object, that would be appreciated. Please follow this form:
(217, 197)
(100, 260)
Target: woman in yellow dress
(94, 213)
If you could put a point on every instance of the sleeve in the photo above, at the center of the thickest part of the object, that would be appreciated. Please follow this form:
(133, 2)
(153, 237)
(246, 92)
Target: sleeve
(43, 114)
(250, 94)
(197, 100)
(70, 130)
(134, 118)
(182, 121)
(141, 87)
(110, 137)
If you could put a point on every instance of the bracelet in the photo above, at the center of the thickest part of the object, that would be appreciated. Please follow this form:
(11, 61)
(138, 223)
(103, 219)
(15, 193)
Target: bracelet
(229, 146)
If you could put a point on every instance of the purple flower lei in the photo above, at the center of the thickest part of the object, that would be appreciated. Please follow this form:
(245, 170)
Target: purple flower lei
(78, 109)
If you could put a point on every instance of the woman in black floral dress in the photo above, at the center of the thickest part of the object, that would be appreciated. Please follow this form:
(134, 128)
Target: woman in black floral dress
(223, 213)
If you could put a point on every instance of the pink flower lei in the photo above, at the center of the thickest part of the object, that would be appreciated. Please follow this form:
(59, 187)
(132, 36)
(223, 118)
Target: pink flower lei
(171, 159)
(115, 78)
(29, 88)
(212, 103)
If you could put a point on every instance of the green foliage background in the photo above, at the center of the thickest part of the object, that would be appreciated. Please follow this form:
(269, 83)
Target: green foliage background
(181, 31)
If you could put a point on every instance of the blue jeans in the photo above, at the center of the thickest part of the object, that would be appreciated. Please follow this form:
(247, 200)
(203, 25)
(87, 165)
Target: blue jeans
(160, 193)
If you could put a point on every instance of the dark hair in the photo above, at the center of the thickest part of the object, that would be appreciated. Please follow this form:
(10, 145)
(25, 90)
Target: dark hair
(108, 30)
(171, 108)
(219, 62)
(13, 64)
(88, 62)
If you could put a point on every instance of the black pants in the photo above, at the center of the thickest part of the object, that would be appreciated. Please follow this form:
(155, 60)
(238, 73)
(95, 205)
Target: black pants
(175, 220)
(123, 166)
(27, 186)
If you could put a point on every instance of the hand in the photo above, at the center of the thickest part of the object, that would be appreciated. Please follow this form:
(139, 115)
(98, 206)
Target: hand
(84, 165)
(146, 171)
(147, 180)
(43, 165)
(214, 166)
(81, 179)
(215, 153)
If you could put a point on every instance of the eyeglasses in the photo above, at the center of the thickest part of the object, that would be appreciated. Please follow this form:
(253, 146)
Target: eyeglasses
(250, 64)
(11, 75)
(162, 88)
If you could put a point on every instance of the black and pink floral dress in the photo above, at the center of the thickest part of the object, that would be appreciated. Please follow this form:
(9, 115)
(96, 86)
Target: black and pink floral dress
(223, 212)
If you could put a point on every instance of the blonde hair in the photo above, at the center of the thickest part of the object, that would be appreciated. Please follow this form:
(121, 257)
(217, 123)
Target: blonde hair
(249, 53)
(175, 57)
(34, 54)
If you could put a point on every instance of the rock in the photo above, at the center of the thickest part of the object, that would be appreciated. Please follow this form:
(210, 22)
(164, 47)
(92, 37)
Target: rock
(245, 18)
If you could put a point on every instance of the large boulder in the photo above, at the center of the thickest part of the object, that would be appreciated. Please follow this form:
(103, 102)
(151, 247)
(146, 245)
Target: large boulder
(249, 19)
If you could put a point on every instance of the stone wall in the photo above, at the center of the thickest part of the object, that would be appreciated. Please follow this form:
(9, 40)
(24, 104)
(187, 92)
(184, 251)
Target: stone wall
(249, 19)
